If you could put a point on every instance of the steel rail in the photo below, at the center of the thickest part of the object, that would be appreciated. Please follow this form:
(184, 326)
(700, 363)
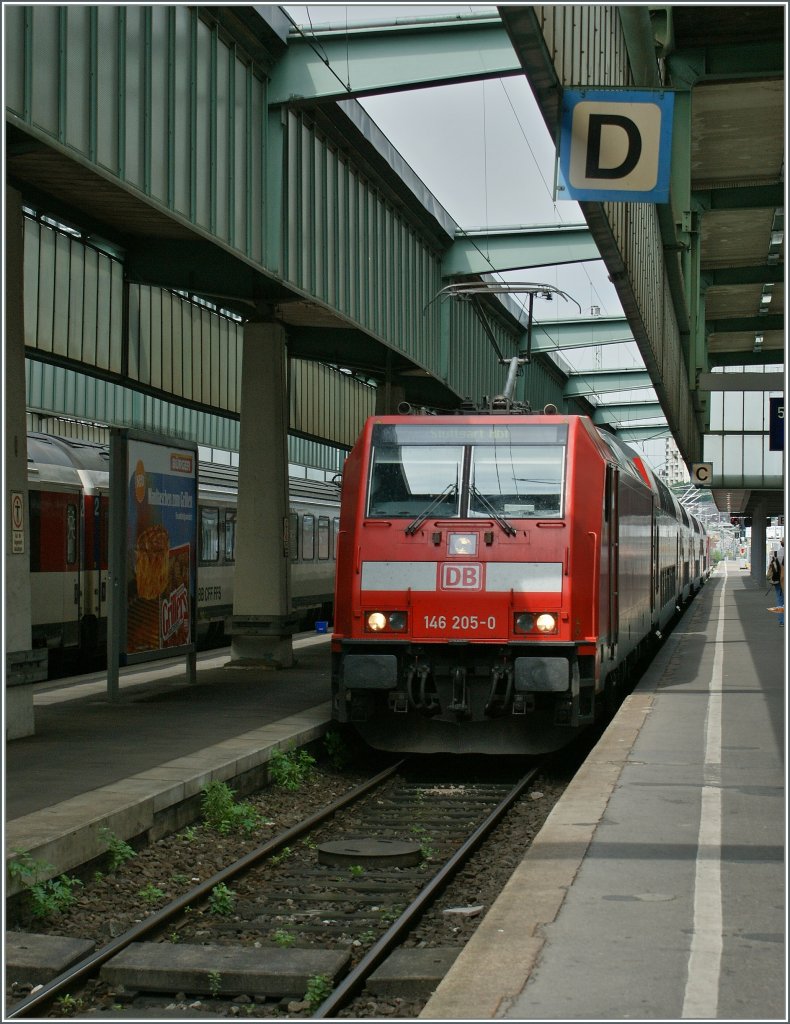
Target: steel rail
(90, 964)
(355, 980)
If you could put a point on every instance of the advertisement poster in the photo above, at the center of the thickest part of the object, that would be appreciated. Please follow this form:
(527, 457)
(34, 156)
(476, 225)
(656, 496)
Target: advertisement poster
(161, 558)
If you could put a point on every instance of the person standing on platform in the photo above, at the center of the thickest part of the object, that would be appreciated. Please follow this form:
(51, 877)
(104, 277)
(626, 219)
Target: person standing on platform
(776, 575)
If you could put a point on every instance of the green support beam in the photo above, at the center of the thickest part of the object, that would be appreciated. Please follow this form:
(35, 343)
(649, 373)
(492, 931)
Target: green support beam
(741, 382)
(764, 59)
(644, 433)
(483, 252)
(766, 273)
(768, 357)
(744, 197)
(363, 60)
(727, 63)
(630, 413)
(199, 266)
(758, 323)
(556, 335)
(600, 383)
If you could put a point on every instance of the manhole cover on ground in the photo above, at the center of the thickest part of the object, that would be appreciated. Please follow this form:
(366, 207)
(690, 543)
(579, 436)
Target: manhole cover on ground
(370, 853)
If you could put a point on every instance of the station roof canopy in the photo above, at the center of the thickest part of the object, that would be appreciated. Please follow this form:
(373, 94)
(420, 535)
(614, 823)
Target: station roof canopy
(730, 57)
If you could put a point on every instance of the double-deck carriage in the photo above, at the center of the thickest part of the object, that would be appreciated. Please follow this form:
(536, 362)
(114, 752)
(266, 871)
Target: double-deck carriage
(68, 496)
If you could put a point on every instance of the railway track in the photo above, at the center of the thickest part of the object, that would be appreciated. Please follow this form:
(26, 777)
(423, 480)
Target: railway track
(324, 903)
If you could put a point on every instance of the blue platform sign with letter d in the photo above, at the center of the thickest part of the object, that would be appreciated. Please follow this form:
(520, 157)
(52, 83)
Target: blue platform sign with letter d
(616, 145)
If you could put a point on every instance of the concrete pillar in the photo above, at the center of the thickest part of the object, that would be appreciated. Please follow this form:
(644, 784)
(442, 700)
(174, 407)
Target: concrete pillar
(262, 624)
(23, 665)
(759, 558)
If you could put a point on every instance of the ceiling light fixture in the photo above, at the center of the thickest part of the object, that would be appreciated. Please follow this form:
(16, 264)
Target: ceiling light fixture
(777, 238)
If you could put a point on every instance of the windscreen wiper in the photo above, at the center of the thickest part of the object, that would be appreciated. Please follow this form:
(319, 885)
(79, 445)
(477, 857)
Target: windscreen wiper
(450, 491)
(492, 511)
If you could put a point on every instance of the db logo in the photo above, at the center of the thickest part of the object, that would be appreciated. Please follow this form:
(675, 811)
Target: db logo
(461, 577)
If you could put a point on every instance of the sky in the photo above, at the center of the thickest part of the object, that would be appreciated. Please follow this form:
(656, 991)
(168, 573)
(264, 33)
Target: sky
(483, 150)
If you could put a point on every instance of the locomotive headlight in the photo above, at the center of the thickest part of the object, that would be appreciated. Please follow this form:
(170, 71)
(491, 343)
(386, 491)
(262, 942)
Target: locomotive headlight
(462, 544)
(386, 622)
(523, 622)
(546, 623)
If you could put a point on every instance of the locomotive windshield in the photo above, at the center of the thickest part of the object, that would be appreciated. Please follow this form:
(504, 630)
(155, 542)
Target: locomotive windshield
(520, 482)
(406, 479)
(467, 471)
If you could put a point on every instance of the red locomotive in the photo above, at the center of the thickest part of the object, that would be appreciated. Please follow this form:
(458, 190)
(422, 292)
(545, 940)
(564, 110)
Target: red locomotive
(497, 578)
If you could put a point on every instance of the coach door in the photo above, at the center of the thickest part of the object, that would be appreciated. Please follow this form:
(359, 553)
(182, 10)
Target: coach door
(612, 516)
(654, 571)
(55, 588)
(100, 511)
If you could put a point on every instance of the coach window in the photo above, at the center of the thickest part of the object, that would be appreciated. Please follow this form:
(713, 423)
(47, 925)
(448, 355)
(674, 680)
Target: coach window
(230, 535)
(71, 534)
(335, 532)
(293, 535)
(308, 538)
(209, 535)
(323, 537)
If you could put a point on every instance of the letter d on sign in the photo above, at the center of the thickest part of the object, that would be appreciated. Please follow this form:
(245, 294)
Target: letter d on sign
(597, 123)
(616, 145)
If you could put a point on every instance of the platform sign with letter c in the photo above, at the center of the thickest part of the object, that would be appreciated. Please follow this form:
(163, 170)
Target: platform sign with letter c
(616, 145)
(702, 474)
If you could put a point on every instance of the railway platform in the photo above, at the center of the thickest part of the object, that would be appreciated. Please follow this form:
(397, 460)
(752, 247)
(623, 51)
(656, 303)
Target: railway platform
(656, 888)
(128, 765)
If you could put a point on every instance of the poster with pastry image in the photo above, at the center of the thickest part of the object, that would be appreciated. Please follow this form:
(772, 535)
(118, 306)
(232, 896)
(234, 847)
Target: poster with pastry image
(161, 531)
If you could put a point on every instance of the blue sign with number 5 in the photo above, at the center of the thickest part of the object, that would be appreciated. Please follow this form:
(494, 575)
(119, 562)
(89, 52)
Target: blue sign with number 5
(776, 427)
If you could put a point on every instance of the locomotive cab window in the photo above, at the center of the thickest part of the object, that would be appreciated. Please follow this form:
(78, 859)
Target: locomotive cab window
(521, 482)
(405, 479)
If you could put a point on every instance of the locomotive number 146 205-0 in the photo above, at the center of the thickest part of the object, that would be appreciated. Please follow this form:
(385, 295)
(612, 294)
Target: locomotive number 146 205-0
(459, 622)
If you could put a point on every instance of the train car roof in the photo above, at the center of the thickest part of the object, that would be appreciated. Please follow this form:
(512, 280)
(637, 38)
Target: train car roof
(224, 480)
(49, 450)
(92, 456)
